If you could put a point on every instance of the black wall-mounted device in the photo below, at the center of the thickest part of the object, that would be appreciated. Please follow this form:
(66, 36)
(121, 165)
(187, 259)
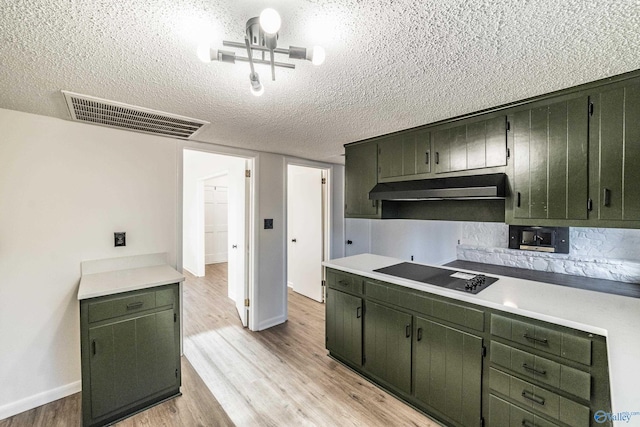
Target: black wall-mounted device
(539, 239)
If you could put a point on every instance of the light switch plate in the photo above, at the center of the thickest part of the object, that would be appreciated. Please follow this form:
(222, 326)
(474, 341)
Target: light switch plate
(120, 238)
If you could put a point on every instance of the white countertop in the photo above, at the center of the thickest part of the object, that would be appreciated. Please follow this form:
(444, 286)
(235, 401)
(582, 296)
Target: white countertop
(131, 279)
(613, 316)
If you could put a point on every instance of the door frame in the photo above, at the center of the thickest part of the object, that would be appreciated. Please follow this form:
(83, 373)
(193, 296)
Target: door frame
(327, 170)
(251, 236)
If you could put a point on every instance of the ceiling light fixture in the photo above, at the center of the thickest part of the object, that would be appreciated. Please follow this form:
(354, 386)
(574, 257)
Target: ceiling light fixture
(261, 37)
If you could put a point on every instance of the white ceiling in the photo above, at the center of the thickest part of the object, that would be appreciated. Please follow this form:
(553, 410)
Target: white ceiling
(391, 64)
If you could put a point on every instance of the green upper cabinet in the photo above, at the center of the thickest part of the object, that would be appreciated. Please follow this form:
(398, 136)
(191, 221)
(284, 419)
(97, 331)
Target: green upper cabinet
(614, 141)
(406, 155)
(361, 175)
(473, 145)
(550, 174)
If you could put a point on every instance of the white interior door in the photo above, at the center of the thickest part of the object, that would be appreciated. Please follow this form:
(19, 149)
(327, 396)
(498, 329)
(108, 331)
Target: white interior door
(238, 212)
(215, 222)
(305, 231)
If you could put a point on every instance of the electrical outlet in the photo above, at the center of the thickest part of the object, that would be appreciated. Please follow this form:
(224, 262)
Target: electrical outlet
(268, 223)
(120, 238)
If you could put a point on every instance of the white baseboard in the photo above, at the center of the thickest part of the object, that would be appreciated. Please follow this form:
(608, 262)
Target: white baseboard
(266, 324)
(39, 399)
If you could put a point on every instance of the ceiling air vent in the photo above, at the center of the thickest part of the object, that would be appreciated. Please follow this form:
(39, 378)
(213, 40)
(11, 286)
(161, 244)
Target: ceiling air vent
(88, 109)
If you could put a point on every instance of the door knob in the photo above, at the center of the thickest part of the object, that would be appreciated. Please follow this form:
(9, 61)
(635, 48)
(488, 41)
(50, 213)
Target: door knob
(234, 247)
(294, 240)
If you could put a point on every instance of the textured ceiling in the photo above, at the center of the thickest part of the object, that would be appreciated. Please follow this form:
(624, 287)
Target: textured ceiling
(391, 64)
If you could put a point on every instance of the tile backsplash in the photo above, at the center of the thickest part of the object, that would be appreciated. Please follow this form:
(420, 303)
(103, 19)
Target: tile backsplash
(604, 253)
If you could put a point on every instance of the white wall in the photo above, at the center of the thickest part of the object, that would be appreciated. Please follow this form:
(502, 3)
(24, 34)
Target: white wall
(606, 253)
(64, 189)
(199, 165)
(336, 179)
(270, 288)
(430, 242)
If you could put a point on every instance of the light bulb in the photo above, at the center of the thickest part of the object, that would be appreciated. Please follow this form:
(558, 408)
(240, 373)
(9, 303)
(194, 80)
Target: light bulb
(270, 21)
(318, 56)
(204, 52)
(256, 87)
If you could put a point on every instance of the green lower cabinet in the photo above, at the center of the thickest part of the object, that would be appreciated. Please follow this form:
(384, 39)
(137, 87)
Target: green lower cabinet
(504, 414)
(387, 345)
(344, 326)
(129, 361)
(447, 371)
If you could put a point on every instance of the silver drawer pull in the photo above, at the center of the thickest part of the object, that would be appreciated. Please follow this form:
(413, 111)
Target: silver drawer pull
(534, 370)
(532, 397)
(134, 305)
(540, 340)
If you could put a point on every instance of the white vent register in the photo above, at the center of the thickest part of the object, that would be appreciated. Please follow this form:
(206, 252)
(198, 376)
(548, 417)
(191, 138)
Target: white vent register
(98, 111)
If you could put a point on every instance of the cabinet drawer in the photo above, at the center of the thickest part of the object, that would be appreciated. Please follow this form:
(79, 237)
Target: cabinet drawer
(344, 281)
(538, 399)
(503, 413)
(544, 339)
(101, 310)
(419, 301)
(573, 381)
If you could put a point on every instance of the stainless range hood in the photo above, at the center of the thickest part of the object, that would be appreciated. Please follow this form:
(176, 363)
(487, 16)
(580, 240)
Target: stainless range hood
(491, 186)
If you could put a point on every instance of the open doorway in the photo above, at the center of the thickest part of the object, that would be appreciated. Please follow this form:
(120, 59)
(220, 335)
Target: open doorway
(307, 229)
(217, 211)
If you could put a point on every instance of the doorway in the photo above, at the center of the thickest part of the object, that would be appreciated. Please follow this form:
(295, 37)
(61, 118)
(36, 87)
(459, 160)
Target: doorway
(307, 229)
(217, 217)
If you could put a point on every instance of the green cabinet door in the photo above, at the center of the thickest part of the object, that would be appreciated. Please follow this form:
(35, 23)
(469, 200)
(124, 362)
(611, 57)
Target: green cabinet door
(387, 345)
(361, 175)
(406, 155)
(447, 371)
(344, 326)
(550, 175)
(473, 145)
(423, 152)
(390, 157)
(614, 132)
(130, 360)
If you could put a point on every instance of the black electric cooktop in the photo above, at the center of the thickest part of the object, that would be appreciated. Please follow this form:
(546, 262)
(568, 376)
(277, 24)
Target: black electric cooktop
(450, 279)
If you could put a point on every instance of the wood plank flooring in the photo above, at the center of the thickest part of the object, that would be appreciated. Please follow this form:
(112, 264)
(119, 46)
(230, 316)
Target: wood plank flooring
(196, 407)
(281, 376)
(278, 377)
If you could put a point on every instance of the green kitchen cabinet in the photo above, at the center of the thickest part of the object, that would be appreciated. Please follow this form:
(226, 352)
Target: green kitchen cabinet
(614, 141)
(472, 145)
(550, 155)
(387, 345)
(406, 155)
(130, 352)
(344, 326)
(447, 371)
(361, 175)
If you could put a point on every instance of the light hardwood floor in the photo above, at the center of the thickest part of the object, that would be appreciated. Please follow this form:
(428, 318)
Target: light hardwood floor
(278, 377)
(281, 376)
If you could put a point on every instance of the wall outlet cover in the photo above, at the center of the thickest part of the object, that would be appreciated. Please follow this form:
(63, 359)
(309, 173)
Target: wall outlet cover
(120, 238)
(268, 224)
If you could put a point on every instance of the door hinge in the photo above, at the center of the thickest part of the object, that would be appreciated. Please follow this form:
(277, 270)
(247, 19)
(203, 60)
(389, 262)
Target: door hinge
(176, 373)
(364, 359)
(482, 422)
(246, 302)
(591, 108)
(379, 150)
(484, 351)
(508, 153)
(508, 125)
(590, 204)
(326, 340)
(247, 173)
(324, 283)
(324, 180)
(175, 317)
